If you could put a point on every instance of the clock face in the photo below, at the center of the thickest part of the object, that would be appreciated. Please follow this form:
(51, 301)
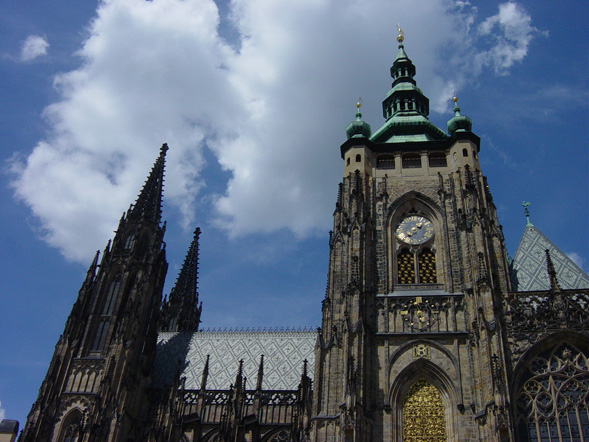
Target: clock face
(415, 229)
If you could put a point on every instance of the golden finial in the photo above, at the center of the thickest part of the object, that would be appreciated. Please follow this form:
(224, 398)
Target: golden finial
(359, 103)
(455, 98)
(401, 35)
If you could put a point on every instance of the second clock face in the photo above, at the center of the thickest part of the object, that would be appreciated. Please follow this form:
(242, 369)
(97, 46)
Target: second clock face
(415, 229)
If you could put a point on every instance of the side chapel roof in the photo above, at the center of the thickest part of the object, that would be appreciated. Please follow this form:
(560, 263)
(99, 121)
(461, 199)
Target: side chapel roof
(528, 268)
(284, 354)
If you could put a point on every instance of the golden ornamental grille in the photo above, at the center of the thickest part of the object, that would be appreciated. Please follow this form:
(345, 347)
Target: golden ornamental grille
(427, 267)
(406, 267)
(423, 414)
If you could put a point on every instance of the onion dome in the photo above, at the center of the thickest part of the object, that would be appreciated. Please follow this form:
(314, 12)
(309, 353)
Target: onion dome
(358, 128)
(458, 123)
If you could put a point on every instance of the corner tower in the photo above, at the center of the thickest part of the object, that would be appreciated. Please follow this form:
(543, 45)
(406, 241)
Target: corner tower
(96, 388)
(417, 271)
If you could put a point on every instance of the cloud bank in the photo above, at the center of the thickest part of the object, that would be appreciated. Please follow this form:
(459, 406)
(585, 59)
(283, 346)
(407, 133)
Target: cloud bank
(271, 104)
(33, 47)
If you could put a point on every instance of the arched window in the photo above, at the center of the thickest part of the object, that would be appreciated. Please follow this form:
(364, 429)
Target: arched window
(406, 267)
(553, 400)
(464, 152)
(70, 429)
(358, 158)
(423, 414)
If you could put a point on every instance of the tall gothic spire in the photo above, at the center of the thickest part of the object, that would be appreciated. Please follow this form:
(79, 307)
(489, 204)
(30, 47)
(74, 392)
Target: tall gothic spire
(181, 311)
(149, 201)
(186, 287)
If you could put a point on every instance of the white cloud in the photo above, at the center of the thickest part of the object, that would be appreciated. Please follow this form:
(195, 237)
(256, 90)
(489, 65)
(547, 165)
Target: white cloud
(576, 258)
(510, 44)
(34, 46)
(273, 110)
(2, 412)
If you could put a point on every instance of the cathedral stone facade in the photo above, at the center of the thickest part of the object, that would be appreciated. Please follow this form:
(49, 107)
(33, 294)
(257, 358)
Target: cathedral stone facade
(424, 334)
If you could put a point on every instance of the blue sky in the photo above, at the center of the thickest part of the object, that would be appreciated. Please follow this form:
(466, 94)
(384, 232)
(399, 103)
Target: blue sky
(253, 97)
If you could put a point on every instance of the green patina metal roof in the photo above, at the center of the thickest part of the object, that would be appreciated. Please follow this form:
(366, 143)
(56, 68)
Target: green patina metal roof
(458, 123)
(358, 128)
(406, 107)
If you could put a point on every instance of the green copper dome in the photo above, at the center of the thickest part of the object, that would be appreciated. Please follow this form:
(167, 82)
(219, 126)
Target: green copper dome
(358, 128)
(458, 123)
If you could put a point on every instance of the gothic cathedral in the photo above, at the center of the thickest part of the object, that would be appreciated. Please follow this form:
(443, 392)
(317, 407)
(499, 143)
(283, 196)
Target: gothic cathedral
(428, 332)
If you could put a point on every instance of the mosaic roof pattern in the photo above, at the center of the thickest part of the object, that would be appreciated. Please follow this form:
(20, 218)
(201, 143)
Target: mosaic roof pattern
(284, 353)
(529, 264)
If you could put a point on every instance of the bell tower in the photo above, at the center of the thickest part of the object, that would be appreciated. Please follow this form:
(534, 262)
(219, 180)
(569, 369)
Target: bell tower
(96, 388)
(409, 345)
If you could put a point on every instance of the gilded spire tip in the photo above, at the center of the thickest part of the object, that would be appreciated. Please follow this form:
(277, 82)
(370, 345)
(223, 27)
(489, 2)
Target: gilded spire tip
(359, 103)
(455, 98)
(401, 35)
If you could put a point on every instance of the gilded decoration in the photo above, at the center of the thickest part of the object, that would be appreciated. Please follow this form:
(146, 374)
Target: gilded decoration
(418, 314)
(423, 414)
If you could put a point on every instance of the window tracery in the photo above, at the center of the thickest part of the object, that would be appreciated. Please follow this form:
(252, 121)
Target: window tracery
(553, 401)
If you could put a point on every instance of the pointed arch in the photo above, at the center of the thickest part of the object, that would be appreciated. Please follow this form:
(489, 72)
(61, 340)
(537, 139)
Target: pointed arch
(430, 206)
(69, 429)
(427, 260)
(550, 392)
(426, 372)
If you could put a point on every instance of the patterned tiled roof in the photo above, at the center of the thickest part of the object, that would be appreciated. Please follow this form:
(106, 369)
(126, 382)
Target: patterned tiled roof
(529, 264)
(284, 353)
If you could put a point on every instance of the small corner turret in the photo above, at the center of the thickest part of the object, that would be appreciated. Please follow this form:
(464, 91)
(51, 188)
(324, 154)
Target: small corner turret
(458, 123)
(358, 128)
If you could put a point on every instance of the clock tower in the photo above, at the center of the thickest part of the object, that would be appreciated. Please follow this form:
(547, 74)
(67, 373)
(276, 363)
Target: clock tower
(410, 348)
